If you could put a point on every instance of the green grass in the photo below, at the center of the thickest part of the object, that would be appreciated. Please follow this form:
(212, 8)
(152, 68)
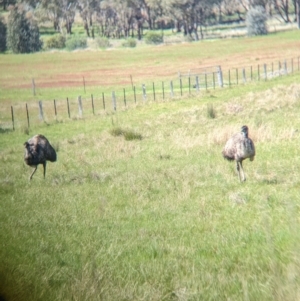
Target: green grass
(162, 218)
(159, 215)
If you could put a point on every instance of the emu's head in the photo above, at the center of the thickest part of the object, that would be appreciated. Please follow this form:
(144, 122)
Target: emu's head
(244, 131)
(26, 150)
(29, 151)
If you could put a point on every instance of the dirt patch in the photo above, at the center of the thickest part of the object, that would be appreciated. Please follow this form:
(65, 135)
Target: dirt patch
(124, 67)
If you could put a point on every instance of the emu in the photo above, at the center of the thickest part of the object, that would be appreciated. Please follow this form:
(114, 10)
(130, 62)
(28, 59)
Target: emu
(38, 150)
(239, 147)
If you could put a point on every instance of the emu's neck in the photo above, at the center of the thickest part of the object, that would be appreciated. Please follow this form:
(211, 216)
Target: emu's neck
(245, 134)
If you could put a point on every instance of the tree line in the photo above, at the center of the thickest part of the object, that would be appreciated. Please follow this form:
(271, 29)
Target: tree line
(128, 18)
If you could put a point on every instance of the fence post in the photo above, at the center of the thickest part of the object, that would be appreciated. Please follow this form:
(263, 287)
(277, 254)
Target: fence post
(285, 68)
(41, 113)
(134, 94)
(265, 71)
(197, 83)
(171, 88)
(180, 83)
(83, 84)
(205, 81)
(279, 68)
(55, 111)
(189, 85)
(144, 92)
(292, 65)
(229, 83)
(114, 103)
(258, 72)
(92, 98)
(214, 82)
(12, 117)
(33, 87)
(244, 75)
(163, 89)
(153, 91)
(251, 73)
(237, 75)
(28, 123)
(220, 77)
(68, 107)
(80, 106)
(103, 101)
(124, 96)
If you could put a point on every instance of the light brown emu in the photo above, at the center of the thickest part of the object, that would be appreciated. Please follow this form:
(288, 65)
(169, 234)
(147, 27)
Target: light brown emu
(239, 147)
(38, 150)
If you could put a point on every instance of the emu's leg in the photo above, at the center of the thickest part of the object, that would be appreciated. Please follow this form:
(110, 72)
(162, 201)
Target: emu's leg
(33, 172)
(238, 170)
(44, 165)
(242, 169)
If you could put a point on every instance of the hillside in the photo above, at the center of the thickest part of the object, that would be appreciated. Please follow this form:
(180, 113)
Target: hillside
(163, 217)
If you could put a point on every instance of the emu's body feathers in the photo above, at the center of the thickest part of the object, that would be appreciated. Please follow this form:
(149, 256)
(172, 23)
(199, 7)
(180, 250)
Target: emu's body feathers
(238, 148)
(38, 150)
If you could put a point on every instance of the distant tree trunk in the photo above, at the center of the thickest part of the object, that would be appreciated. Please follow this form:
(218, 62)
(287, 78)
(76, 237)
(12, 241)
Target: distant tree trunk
(177, 26)
(148, 18)
(298, 13)
(196, 33)
(86, 27)
(201, 32)
(185, 28)
(139, 31)
(283, 10)
(56, 25)
(69, 27)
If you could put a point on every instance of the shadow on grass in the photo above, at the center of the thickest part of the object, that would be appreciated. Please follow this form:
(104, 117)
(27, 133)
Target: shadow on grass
(3, 131)
(2, 298)
(270, 181)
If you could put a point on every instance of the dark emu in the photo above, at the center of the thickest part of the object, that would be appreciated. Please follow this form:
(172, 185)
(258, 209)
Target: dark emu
(38, 150)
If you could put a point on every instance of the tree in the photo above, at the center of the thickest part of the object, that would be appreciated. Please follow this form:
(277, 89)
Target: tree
(119, 18)
(22, 32)
(190, 14)
(2, 36)
(297, 12)
(60, 12)
(282, 8)
(256, 20)
(88, 9)
(156, 14)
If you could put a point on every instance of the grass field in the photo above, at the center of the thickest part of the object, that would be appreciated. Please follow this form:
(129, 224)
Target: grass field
(163, 217)
(60, 74)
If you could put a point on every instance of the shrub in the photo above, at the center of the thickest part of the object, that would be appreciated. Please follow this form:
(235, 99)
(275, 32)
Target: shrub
(211, 113)
(131, 135)
(103, 42)
(76, 42)
(130, 42)
(2, 36)
(23, 34)
(128, 134)
(56, 41)
(34, 42)
(117, 131)
(153, 38)
(256, 20)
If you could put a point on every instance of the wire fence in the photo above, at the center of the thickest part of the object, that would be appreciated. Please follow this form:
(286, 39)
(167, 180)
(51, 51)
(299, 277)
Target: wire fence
(191, 82)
